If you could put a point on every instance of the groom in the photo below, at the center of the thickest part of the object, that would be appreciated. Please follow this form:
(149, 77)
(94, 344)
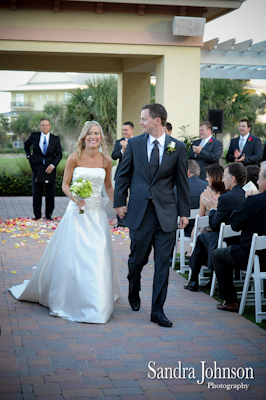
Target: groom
(152, 165)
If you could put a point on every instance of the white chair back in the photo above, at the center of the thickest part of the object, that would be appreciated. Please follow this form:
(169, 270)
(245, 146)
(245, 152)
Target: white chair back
(180, 237)
(257, 243)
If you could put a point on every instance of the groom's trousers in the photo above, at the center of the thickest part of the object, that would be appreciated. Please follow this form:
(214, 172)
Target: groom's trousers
(147, 235)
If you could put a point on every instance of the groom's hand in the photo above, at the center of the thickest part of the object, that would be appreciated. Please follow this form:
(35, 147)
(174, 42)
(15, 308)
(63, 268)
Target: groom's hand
(183, 222)
(121, 211)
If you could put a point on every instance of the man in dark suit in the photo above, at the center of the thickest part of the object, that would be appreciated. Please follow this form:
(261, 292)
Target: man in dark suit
(196, 186)
(121, 144)
(234, 178)
(119, 151)
(245, 148)
(207, 150)
(250, 218)
(45, 156)
(153, 163)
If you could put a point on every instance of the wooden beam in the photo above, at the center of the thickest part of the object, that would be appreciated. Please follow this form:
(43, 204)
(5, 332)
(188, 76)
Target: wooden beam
(13, 5)
(99, 8)
(56, 5)
(141, 10)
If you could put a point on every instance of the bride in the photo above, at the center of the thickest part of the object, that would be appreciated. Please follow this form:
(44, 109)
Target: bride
(76, 277)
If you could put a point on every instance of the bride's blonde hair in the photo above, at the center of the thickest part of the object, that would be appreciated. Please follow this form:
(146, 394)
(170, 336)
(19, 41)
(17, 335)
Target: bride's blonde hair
(80, 145)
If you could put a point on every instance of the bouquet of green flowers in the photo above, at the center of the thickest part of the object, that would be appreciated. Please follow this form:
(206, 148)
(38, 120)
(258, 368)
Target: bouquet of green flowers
(82, 189)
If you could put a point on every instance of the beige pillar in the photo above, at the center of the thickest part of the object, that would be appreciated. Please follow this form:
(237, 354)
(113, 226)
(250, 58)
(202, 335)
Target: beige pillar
(135, 94)
(178, 87)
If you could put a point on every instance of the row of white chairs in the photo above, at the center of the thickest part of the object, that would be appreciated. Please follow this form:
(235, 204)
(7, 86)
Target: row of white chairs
(251, 279)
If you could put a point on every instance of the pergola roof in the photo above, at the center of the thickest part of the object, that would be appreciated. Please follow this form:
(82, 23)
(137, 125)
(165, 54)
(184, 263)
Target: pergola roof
(231, 60)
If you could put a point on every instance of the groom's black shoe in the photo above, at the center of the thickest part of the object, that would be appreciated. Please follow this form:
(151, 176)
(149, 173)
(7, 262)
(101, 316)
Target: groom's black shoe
(135, 304)
(161, 320)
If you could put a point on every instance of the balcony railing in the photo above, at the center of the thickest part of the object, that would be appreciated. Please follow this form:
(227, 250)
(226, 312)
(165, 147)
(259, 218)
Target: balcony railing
(18, 104)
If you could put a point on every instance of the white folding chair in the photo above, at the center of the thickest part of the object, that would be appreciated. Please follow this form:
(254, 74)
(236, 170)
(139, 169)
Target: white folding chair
(258, 243)
(200, 222)
(226, 231)
(181, 238)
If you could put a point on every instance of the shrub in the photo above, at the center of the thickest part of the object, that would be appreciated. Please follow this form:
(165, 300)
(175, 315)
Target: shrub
(20, 185)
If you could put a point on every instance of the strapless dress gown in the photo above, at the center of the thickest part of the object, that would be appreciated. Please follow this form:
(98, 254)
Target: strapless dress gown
(76, 277)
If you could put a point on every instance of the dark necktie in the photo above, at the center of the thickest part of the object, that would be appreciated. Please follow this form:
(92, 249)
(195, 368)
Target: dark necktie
(44, 146)
(154, 160)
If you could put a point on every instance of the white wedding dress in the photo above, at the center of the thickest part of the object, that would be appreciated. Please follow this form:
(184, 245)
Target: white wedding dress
(76, 277)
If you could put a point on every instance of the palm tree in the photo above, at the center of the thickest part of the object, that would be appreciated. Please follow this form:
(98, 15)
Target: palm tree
(228, 95)
(96, 101)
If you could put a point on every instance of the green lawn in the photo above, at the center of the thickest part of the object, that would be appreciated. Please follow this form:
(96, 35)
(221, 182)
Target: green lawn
(9, 164)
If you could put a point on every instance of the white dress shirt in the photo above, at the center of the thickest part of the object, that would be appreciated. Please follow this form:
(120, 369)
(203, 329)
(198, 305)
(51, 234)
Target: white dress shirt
(150, 145)
(205, 141)
(47, 136)
(242, 142)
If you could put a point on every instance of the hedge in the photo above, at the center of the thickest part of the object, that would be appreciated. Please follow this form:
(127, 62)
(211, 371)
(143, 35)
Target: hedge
(18, 185)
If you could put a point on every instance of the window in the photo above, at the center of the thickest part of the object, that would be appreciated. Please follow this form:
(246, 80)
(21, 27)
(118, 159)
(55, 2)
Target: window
(19, 99)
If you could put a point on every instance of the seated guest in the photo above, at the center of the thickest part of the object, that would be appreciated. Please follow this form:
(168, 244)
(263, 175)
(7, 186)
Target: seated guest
(196, 186)
(214, 177)
(253, 174)
(220, 210)
(250, 218)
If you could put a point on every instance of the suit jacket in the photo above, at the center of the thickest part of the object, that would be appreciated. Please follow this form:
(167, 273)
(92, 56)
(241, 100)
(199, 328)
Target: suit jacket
(117, 155)
(53, 154)
(252, 149)
(250, 218)
(264, 153)
(134, 173)
(210, 154)
(196, 186)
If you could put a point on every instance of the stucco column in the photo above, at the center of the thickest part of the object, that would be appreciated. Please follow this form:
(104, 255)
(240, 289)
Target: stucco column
(178, 87)
(133, 93)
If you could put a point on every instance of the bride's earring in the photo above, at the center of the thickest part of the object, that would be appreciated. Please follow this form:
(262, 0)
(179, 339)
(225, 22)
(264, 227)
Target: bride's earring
(83, 144)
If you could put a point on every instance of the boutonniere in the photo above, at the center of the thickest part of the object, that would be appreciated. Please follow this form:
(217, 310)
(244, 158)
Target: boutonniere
(250, 139)
(210, 141)
(171, 147)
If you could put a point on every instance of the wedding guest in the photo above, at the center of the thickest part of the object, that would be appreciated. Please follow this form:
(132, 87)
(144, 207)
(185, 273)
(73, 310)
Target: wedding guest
(245, 148)
(168, 128)
(253, 174)
(119, 151)
(234, 178)
(76, 277)
(250, 218)
(44, 157)
(196, 186)
(207, 150)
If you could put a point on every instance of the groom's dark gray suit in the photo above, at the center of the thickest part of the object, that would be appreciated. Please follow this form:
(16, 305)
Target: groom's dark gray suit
(152, 211)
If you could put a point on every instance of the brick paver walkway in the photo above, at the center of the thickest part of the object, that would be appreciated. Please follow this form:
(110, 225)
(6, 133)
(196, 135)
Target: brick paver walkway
(48, 358)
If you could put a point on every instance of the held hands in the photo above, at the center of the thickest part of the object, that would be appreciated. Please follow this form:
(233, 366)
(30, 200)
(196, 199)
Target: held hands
(208, 200)
(49, 169)
(196, 149)
(121, 211)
